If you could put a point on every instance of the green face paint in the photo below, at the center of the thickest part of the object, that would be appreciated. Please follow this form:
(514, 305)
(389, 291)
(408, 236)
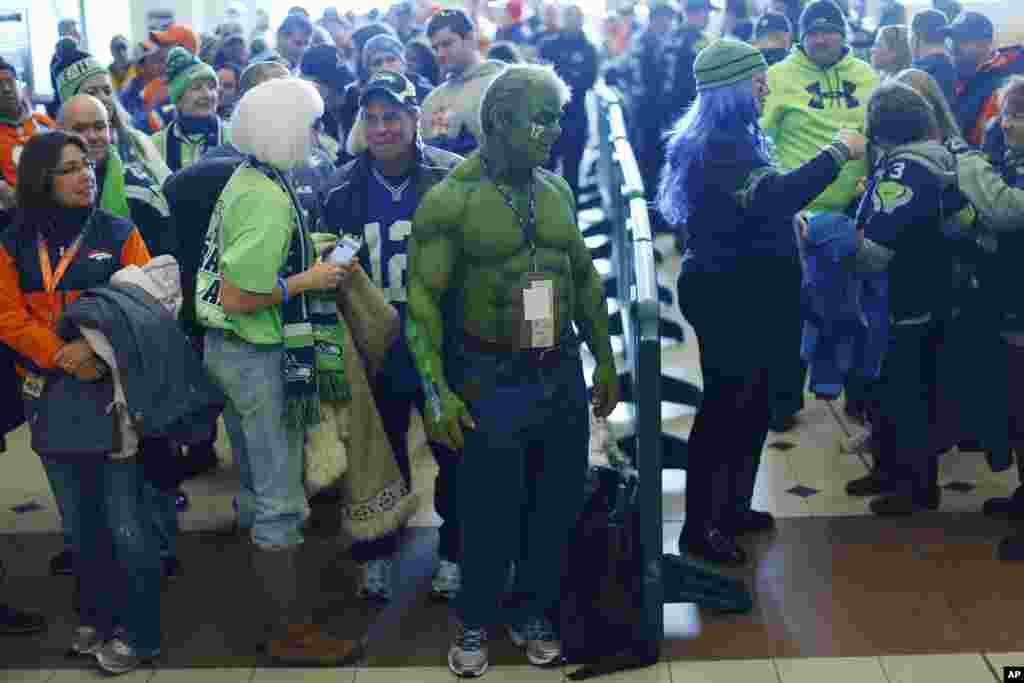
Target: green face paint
(530, 138)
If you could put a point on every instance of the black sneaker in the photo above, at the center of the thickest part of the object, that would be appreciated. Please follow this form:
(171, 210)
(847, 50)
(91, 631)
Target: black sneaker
(749, 522)
(16, 622)
(873, 484)
(1011, 549)
(63, 564)
(172, 568)
(1006, 508)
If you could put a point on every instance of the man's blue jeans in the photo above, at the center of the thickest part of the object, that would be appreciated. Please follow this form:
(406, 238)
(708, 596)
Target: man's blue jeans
(163, 509)
(269, 455)
(524, 464)
(117, 563)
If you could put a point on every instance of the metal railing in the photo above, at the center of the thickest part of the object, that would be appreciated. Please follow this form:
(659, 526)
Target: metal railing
(666, 578)
(634, 268)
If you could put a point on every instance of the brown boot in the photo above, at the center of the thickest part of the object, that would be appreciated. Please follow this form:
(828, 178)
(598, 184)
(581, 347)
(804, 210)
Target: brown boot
(310, 645)
(293, 638)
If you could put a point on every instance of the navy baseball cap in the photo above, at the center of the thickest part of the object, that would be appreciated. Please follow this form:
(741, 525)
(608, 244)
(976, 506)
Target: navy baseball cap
(930, 25)
(394, 86)
(772, 22)
(971, 26)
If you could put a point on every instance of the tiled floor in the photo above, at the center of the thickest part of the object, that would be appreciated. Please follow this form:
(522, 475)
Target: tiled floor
(769, 646)
(966, 668)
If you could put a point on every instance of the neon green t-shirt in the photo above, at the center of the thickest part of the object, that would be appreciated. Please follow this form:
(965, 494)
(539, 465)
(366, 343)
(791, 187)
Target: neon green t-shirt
(247, 242)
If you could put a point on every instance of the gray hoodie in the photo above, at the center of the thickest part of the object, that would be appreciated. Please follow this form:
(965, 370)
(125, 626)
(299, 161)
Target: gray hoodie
(452, 110)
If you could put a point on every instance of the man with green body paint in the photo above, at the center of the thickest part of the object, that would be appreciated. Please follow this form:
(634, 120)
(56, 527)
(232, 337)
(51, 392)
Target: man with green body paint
(496, 247)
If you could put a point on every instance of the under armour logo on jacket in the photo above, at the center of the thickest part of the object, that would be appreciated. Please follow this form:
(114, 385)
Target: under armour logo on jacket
(818, 97)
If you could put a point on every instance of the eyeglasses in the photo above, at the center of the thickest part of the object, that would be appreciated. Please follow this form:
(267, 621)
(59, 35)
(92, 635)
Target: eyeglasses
(75, 168)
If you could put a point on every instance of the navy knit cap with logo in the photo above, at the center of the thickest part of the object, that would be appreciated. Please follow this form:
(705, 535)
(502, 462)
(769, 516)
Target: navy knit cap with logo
(395, 87)
(822, 16)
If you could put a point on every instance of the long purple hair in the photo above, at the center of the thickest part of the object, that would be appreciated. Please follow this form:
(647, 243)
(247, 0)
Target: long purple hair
(726, 112)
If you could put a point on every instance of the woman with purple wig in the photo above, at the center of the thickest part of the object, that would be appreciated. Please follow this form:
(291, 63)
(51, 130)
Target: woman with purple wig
(740, 282)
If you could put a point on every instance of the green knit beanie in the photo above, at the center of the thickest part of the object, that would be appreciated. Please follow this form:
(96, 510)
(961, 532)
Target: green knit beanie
(184, 69)
(74, 69)
(725, 62)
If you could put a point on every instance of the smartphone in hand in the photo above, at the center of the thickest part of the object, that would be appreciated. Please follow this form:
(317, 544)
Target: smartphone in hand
(348, 246)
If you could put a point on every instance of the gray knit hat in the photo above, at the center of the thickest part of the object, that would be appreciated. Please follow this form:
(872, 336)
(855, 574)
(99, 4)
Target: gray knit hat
(725, 62)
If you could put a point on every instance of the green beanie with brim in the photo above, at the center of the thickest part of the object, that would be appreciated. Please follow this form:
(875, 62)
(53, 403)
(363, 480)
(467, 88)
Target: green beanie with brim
(184, 69)
(725, 62)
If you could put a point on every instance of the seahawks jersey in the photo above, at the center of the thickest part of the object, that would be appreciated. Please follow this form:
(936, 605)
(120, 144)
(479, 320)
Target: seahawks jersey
(386, 236)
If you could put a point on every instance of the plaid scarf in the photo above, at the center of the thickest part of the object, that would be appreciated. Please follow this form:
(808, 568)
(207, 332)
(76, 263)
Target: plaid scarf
(314, 366)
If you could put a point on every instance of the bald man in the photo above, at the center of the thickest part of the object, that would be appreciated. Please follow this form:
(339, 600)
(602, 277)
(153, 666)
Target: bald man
(134, 198)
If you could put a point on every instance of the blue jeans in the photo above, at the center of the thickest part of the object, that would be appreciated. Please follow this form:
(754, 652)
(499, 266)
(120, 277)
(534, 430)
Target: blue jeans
(272, 499)
(163, 512)
(117, 563)
(521, 476)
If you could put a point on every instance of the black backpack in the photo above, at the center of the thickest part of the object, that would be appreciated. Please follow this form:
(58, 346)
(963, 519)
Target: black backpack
(192, 195)
(601, 610)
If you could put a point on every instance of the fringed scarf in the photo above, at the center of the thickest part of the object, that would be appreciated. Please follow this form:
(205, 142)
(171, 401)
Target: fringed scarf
(314, 365)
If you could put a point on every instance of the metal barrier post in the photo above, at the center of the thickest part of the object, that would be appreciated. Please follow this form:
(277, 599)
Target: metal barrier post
(634, 262)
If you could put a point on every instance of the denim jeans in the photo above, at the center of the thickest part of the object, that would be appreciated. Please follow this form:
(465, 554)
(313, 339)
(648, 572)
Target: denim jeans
(269, 455)
(117, 564)
(162, 508)
(522, 470)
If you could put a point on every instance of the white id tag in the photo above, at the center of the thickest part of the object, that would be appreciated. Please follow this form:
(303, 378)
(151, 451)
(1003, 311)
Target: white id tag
(539, 311)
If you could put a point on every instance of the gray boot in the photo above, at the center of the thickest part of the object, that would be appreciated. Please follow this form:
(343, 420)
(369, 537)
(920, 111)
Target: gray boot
(276, 577)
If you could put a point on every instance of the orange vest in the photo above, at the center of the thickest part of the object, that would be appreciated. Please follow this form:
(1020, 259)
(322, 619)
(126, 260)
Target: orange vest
(13, 139)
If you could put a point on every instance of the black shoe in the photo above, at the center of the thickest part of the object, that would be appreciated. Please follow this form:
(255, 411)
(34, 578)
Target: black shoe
(780, 425)
(1006, 508)
(198, 462)
(713, 546)
(900, 505)
(873, 484)
(749, 522)
(16, 622)
(172, 568)
(1011, 549)
(63, 564)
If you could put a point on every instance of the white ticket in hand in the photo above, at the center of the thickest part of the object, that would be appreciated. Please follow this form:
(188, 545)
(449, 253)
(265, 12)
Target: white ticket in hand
(347, 247)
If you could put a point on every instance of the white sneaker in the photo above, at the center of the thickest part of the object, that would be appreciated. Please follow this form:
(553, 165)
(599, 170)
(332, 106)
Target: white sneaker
(467, 656)
(447, 581)
(375, 579)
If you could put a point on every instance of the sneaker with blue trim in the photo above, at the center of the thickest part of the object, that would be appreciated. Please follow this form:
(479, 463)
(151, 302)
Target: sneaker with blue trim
(467, 657)
(118, 657)
(538, 637)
